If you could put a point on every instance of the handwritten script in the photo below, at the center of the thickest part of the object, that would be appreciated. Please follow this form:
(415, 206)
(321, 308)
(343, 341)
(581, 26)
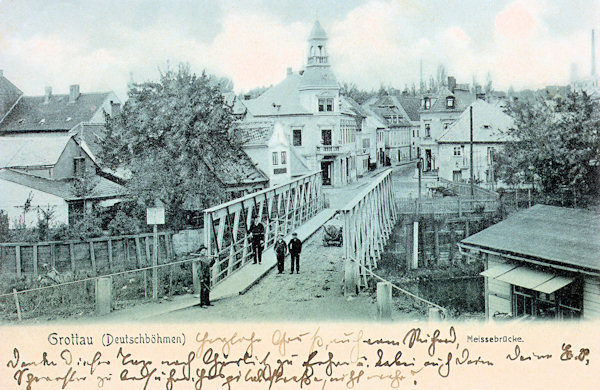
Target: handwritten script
(275, 358)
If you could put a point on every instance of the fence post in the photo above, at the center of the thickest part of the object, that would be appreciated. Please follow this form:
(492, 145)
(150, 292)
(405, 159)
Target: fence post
(110, 255)
(17, 304)
(459, 208)
(18, 259)
(195, 278)
(103, 295)
(93, 257)
(35, 260)
(384, 301)
(155, 263)
(138, 251)
(72, 255)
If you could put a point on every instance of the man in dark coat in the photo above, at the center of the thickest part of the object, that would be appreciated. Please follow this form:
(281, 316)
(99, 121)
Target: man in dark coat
(257, 230)
(204, 275)
(295, 248)
(281, 249)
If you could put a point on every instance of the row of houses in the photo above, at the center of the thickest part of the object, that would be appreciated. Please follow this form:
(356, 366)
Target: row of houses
(49, 157)
(49, 143)
(304, 124)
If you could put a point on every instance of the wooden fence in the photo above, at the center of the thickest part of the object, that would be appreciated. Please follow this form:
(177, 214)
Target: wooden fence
(100, 255)
(464, 189)
(449, 205)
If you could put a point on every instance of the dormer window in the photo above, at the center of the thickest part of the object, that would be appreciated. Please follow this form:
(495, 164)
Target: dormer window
(450, 102)
(326, 104)
(427, 103)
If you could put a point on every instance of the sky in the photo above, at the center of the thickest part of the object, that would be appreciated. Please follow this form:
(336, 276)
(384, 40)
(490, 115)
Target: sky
(99, 45)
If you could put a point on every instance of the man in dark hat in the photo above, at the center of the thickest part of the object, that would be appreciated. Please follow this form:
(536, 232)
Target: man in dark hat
(295, 248)
(281, 249)
(258, 238)
(204, 276)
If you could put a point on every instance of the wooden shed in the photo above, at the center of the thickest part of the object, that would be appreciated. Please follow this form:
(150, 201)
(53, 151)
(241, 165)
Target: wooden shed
(543, 262)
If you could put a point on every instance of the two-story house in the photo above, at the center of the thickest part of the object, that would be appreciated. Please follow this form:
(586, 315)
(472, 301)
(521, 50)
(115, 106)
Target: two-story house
(438, 111)
(320, 126)
(490, 128)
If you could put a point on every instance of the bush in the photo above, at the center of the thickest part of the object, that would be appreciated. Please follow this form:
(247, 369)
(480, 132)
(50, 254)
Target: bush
(123, 224)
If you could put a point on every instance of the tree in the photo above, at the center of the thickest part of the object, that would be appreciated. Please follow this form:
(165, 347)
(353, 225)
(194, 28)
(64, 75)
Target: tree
(555, 144)
(166, 134)
(358, 95)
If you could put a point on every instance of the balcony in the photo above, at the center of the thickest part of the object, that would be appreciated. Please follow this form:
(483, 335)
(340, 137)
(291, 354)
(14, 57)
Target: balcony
(329, 149)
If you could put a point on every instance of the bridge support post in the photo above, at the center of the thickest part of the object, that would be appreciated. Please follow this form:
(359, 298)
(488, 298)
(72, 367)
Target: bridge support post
(384, 301)
(350, 278)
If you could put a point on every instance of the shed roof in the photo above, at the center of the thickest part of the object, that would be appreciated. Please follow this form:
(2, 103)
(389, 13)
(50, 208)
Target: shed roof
(550, 233)
(31, 151)
(103, 187)
(32, 114)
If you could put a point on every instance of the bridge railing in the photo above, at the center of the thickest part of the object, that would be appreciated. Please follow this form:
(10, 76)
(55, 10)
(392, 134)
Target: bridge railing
(280, 209)
(368, 221)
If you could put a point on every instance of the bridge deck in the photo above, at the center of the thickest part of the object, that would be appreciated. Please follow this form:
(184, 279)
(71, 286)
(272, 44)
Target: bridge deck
(240, 281)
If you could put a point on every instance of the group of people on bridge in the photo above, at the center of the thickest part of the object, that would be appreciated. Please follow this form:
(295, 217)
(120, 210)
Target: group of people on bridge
(257, 237)
(294, 247)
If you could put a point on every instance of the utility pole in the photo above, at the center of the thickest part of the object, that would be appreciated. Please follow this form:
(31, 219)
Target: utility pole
(471, 151)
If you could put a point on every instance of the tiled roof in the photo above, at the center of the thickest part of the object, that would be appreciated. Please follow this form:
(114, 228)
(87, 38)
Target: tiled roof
(31, 151)
(9, 94)
(32, 114)
(462, 100)
(411, 106)
(351, 107)
(563, 235)
(281, 99)
(234, 168)
(255, 132)
(490, 124)
(103, 188)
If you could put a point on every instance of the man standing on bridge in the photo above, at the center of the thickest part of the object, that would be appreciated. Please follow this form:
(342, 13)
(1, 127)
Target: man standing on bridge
(295, 249)
(281, 249)
(258, 237)
(204, 271)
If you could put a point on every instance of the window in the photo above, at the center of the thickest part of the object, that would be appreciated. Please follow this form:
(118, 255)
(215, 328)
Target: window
(450, 102)
(283, 158)
(427, 103)
(326, 137)
(427, 130)
(275, 154)
(297, 137)
(457, 150)
(326, 104)
(78, 166)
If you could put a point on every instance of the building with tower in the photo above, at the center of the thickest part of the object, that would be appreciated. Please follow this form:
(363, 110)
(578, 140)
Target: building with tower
(305, 115)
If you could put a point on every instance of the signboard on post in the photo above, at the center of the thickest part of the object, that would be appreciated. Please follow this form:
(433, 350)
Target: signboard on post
(155, 215)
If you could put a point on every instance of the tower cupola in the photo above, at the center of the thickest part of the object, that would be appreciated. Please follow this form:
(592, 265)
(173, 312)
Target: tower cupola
(317, 46)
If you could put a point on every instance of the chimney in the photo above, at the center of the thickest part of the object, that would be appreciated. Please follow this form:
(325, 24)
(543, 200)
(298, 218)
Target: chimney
(115, 108)
(451, 83)
(593, 55)
(73, 93)
(289, 72)
(47, 94)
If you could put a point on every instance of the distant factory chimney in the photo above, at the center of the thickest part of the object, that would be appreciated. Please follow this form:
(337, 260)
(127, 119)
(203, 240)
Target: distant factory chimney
(47, 95)
(593, 55)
